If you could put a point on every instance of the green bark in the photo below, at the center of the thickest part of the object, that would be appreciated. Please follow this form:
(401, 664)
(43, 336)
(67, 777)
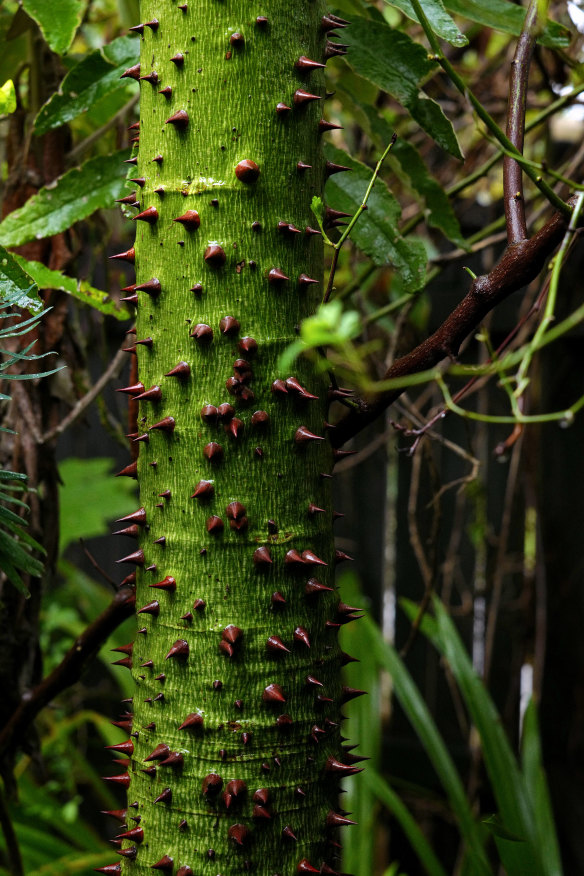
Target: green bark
(229, 86)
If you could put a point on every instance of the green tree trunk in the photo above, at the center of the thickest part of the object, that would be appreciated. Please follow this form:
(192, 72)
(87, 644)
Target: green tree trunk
(236, 730)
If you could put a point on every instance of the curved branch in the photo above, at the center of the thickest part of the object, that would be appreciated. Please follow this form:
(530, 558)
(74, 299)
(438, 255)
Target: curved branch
(519, 265)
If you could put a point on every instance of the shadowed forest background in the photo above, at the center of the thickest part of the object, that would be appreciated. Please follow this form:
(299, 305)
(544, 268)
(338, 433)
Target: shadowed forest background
(465, 525)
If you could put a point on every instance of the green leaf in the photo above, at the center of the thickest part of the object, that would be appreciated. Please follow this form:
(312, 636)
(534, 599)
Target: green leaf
(7, 98)
(507, 17)
(440, 212)
(57, 19)
(441, 23)
(72, 197)
(80, 289)
(90, 497)
(372, 44)
(17, 288)
(95, 77)
(498, 829)
(376, 231)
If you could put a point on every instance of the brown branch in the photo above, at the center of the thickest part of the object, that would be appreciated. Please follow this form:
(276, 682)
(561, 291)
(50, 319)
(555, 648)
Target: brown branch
(65, 674)
(11, 840)
(512, 176)
(518, 266)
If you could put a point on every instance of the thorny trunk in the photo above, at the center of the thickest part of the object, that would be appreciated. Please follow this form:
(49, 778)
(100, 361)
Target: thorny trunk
(235, 750)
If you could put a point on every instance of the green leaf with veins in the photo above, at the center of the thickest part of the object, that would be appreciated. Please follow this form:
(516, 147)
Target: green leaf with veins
(16, 286)
(440, 21)
(57, 19)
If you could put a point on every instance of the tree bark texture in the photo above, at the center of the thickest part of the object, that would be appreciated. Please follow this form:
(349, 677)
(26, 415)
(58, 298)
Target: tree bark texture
(235, 747)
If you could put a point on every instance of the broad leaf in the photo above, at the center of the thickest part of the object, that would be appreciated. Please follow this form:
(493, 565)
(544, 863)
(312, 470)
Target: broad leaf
(95, 77)
(80, 289)
(57, 19)
(17, 288)
(440, 21)
(391, 60)
(7, 98)
(376, 232)
(508, 17)
(72, 197)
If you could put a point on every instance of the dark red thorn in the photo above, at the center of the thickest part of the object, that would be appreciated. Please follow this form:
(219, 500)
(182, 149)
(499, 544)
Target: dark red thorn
(341, 556)
(260, 812)
(232, 634)
(214, 525)
(129, 471)
(331, 215)
(199, 604)
(279, 386)
(247, 171)
(302, 97)
(129, 199)
(262, 556)
(332, 49)
(350, 693)
(282, 109)
(152, 608)
(160, 677)
(150, 215)
(333, 765)
(164, 864)
(277, 599)
(153, 25)
(131, 299)
(310, 558)
(179, 60)
(213, 452)
(133, 160)
(324, 126)
(154, 394)
(246, 737)
(248, 346)
(125, 661)
(304, 280)
(273, 693)
(136, 558)
(344, 609)
(300, 792)
(301, 635)
(144, 438)
(355, 758)
(311, 681)
(237, 40)
(314, 587)
(239, 833)
(130, 852)
(131, 288)
(165, 796)
(160, 753)
(346, 658)
(215, 255)
(179, 120)
(333, 819)
(118, 814)
(293, 558)
(289, 834)
(311, 231)
(225, 412)
(258, 452)
(123, 779)
(151, 287)
(235, 427)
(337, 515)
(212, 784)
(259, 418)
(275, 645)
(314, 509)
(194, 720)
(301, 166)
(131, 73)
(209, 414)
(316, 732)
(166, 91)
(151, 77)
(180, 650)
(331, 22)
(303, 435)
(174, 759)
(304, 63)
(109, 869)
(190, 220)
(276, 276)
(293, 384)
(124, 649)
(166, 494)
(126, 748)
(183, 8)
(203, 490)
(165, 425)
(128, 256)
(146, 342)
(202, 333)
(131, 531)
(186, 870)
(234, 792)
(168, 584)
(235, 510)
(330, 168)
(187, 617)
(304, 866)
(123, 725)
(338, 455)
(287, 228)
(158, 159)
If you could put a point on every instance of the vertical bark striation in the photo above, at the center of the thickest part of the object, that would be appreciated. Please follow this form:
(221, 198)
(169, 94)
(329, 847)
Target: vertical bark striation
(236, 748)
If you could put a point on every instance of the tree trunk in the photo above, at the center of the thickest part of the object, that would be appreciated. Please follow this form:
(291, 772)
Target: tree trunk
(236, 730)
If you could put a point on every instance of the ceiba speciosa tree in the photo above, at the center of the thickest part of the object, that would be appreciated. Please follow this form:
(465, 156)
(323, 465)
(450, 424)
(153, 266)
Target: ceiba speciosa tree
(235, 749)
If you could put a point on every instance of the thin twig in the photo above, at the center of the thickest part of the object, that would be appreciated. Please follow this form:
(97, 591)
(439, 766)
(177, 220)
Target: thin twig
(112, 371)
(15, 865)
(512, 173)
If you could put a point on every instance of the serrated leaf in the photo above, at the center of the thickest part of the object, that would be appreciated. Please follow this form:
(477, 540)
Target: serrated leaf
(372, 44)
(7, 98)
(507, 17)
(376, 232)
(17, 288)
(80, 289)
(72, 197)
(95, 77)
(438, 18)
(57, 19)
